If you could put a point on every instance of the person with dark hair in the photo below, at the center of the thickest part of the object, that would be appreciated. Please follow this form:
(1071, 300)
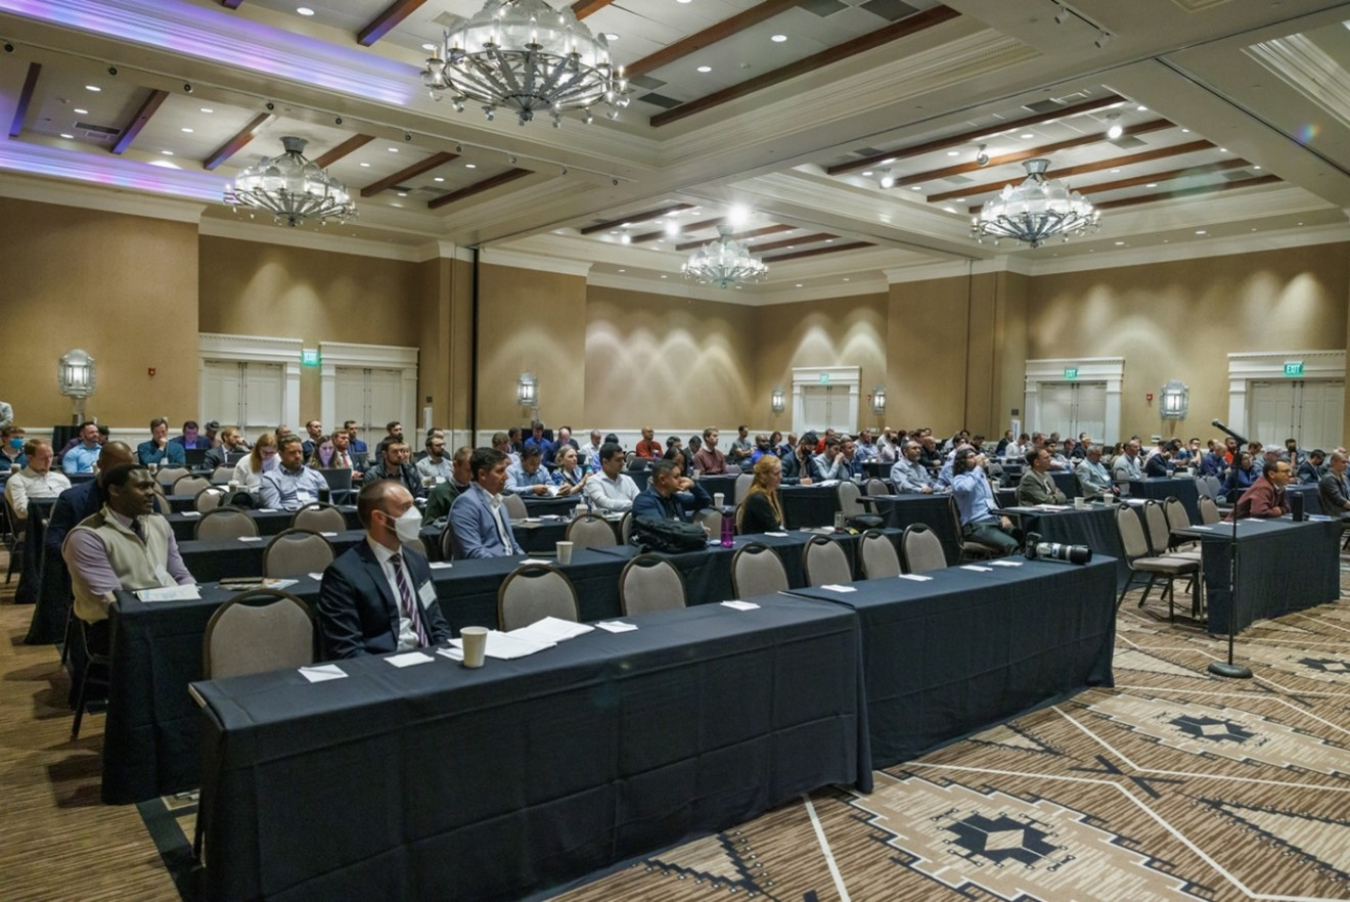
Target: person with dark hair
(908, 474)
(611, 489)
(800, 467)
(689, 450)
(190, 439)
(355, 445)
(670, 496)
(529, 476)
(1311, 470)
(393, 464)
(479, 522)
(12, 439)
(314, 435)
(975, 503)
(291, 485)
(709, 460)
(1333, 490)
(742, 449)
(377, 596)
(541, 441)
(1036, 485)
(126, 545)
(648, 447)
(1265, 498)
(159, 450)
(445, 493)
(84, 499)
(435, 465)
(1241, 476)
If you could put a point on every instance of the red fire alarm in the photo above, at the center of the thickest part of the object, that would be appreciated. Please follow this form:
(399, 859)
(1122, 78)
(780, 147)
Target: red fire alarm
(151, 372)
(1148, 397)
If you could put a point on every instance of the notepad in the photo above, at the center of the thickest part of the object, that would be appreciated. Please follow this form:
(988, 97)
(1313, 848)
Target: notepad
(977, 569)
(741, 605)
(322, 673)
(1006, 563)
(250, 538)
(192, 513)
(317, 576)
(410, 659)
(616, 626)
(837, 588)
(534, 560)
(169, 593)
(454, 654)
(504, 646)
(328, 535)
(441, 565)
(550, 631)
(917, 577)
(781, 535)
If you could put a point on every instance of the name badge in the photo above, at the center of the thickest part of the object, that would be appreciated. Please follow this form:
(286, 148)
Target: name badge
(427, 593)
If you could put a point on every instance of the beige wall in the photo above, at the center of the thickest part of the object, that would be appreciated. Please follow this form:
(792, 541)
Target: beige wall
(926, 335)
(1180, 320)
(123, 288)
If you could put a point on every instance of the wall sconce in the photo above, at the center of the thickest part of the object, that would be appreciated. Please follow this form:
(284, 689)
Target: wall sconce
(778, 399)
(879, 400)
(1174, 401)
(75, 378)
(527, 391)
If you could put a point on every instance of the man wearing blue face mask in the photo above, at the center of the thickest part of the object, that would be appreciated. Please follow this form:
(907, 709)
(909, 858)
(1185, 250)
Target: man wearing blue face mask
(11, 448)
(378, 597)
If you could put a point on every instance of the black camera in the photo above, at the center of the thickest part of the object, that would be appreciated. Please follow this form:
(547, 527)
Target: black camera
(1056, 551)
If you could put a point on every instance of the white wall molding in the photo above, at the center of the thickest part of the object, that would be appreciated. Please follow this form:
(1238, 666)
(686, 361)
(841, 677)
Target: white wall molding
(76, 181)
(258, 348)
(1110, 370)
(1246, 367)
(328, 241)
(502, 257)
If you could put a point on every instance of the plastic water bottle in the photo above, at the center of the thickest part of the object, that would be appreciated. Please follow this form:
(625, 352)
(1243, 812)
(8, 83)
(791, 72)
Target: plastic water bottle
(728, 530)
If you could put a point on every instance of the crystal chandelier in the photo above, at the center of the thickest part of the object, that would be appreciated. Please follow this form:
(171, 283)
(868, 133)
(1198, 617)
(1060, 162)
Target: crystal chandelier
(1035, 210)
(723, 262)
(526, 56)
(291, 188)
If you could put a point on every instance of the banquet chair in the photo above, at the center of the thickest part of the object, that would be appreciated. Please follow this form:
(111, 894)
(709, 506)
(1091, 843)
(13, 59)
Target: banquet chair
(742, 486)
(626, 528)
(825, 563)
(225, 523)
(532, 592)
(319, 517)
(590, 531)
(1177, 518)
(296, 552)
(650, 582)
(169, 475)
(515, 506)
(921, 550)
(756, 570)
(710, 519)
(99, 658)
(970, 548)
(222, 475)
(876, 486)
(1209, 511)
(190, 485)
(208, 499)
(878, 558)
(1141, 561)
(15, 540)
(848, 499)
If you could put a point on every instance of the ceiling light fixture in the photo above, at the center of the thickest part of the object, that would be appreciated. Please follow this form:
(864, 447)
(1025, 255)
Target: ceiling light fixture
(1103, 39)
(1035, 211)
(887, 181)
(291, 188)
(526, 56)
(778, 38)
(982, 158)
(724, 262)
(1115, 130)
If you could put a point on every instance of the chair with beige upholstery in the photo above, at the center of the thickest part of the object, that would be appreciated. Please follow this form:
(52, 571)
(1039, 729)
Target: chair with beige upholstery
(515, 506)
(825, 563)
(532, 592)
(1209, 511)
(921, 550)
(848, 499)
(626, 528)
(225, 523)
(878, 558)
(190, 485)
(319, 517)
(1142, 561)
(876, 486)
(167, 476)
(296, 552)
(650, 582)
(590, 531)
(208, 499)
(710, 519)
(743, 483)
(222, 475)
(756, 570)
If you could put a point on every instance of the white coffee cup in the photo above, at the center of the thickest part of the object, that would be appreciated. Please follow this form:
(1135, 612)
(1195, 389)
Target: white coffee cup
(1108, 498)
(475, 644)
(564, 552)
(234, 485)
(1079, 503)
(14, 468)
(719, 499)
(580, 511)
(152, 467)
(696, 473)
(428, 481)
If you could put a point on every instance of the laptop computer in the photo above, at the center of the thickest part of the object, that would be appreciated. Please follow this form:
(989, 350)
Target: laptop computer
(196, 457)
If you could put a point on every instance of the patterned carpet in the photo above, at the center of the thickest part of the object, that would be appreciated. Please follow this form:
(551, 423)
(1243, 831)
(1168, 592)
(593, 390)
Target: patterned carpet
(1174, 785)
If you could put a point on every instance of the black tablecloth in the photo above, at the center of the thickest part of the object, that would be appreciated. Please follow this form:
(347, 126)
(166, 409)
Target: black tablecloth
(1160, 489)
(1066, 482)
(30, 571)
(541, 505)
(270, 522)
(876, 469)
(435, 781)
(934, 511)
(1095, 527)
(724, 483)
(1312, 502)
(967, 649)
(805, 506)
(1282, 567)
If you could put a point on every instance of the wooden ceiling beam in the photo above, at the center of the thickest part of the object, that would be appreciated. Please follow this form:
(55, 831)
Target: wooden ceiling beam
(1138, 180)
(25, 98)
(386, 21)
(1160, 153)
(583, 8)
(636, 217)
(708, 36)
(816, 252)
(739, 236)
(351, 145)
(895, 31)
(509, 175)
(140, 119)
(237, 143)
(436, 159)
(1187, 192)
(978, 134)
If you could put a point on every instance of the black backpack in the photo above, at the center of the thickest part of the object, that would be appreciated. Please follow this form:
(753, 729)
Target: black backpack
(668, 536)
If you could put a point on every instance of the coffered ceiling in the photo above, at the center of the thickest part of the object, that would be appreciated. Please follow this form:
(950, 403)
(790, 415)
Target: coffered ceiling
(852, 140)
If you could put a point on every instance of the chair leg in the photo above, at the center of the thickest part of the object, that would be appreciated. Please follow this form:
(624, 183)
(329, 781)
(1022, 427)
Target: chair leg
(1152, 578)
(79, 703)
(65, 642)
(1171, 599)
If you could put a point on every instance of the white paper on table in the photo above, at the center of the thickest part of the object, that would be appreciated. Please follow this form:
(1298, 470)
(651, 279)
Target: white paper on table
(322, 673)
(838, 588)
(318, 576)
(250, 538)
(454, 654)
(441, 565)
(977, 569)
(781, 535)
(534, 560)
(192, 513)
(1053, 507)
(550, 631)
(826, 483)
(409, 658)
(917, 577)
(741, 605)
(328, 535)
(268, 510)
(279, 583)
(1135, 502)
(616, 626)
(170, 593)
(1202, 527)
(1006, 563)
(504, 646)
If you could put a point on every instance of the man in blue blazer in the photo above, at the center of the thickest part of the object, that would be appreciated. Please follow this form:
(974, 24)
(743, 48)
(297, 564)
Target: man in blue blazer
(670, 496)
(378, 596)
(479, 522)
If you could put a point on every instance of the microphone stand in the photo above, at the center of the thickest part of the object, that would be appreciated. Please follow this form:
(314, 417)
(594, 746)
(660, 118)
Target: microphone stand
(1228, 668)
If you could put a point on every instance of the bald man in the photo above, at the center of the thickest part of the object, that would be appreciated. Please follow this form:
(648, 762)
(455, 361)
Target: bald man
(84, 500)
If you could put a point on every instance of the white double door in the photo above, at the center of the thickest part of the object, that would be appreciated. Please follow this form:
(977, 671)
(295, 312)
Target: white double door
(248, 394)
(826, 407)
(1071, 408)
(371, 396)
(1311, 411)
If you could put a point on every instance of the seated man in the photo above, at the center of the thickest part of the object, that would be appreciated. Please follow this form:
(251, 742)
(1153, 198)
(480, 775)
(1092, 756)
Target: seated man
(36, 480)
(1036, 485)
(565, 438)
(762, 449)
(84, 500)
(81, 458)
(590, 455)
(1311, 470)
(313, 436)
(123, 546)
(1265, 498)
(342, 453)
(354, 444)
(830, 462)
(292, 485)
(975, 504)
(529, 476)
(670, 496)
(435, 465)
(648, 447)
(159, 450)
(1333, 490)
(537, 439)
(708, 460)
(611, 489)
(231, 442)
(501, 441)
(393, 464)
(866, 448)
(445, 493)
(1159, 464)
(478, 518)
(12, 440)
(1126, 466)
(1093, 479)
(377, 596)
(909, 475)
(190, 438)
(799, 467)
(741, 449)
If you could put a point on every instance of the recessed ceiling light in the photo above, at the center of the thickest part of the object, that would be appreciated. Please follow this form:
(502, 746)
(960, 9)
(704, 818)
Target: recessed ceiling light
(68, 137)
(1223, 150)
(81, 112)
(164, 164)
(960, 200)
(396, 204)
(846, 279)
(470, 165)
(888, 161)
(1256, 167)
(1185, 131)
(207, 109)
(392, 149)
(167, 153)
(1142, 108)
(953, 153)
(1028, 135)
(1151, 185)
(916, 187)
(1115, 170)
(403, 194)
(185, 130)
(438, 179)
(304, 10)
(94, 88)
(365, 165)
(663, 275)
(887, 181)
(868, 173)
(623, 270)
(831, 240)
(1253, 228)
(799, 284)
(1201, 232)
(778, 38)
(1120, 244)
(705, 68)
(611, 36)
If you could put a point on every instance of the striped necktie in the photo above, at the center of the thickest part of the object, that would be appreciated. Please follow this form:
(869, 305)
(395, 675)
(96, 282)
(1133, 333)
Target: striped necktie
(406, 602)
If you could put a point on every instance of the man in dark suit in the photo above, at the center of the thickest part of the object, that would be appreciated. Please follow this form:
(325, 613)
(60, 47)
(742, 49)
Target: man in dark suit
(670, 496)
(479, 520)
(1333, 490)
(378, 596)
(1037, 486)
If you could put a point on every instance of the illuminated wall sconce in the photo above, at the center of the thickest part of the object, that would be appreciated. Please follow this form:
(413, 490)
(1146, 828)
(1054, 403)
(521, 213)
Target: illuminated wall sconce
(527, 391)
(1175, 400)
(75, 377)
(778, 400)
(879, 400)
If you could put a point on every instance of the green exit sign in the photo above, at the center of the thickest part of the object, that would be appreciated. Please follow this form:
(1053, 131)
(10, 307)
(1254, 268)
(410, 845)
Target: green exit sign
(1071, 372)
(1293, 367)
(309, 357)
(824, 378)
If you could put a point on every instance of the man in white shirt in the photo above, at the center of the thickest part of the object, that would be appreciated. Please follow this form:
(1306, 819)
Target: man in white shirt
(35, 480)
(611, 489)
(590, 455)
(435, 466)
(1126, 466)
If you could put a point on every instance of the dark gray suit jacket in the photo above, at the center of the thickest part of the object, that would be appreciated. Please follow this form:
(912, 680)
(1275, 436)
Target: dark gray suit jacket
(358, 614)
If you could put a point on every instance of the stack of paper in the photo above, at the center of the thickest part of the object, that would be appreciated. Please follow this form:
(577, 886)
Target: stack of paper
(550, 631)
(837, 588)
(322, 673)
(1006, 563)
(616, 626)
(169, 593)
(741, 605)
(917, 577)
(504, 646)
(977, 569)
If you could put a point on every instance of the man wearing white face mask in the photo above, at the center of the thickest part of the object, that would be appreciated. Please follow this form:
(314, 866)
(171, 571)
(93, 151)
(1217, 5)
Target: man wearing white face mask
(378, 597)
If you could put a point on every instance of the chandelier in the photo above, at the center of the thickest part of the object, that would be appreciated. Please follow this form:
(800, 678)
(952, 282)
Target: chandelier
(528, 57)
(723, 262)
(291, 188)
(1035, 210)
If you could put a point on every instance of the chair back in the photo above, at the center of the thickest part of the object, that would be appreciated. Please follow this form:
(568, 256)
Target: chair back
(1131, 533)
(296, 552)
(319, 517)
(876, 487)
(626, 528)
(756, 570)
(590, 531)
(742, 485)
(225, 523)
(164, 506)
(222, 475)
(169, 475)
(1215, 486)
(1177, 518)
(1209, 511)
(825, 563)
(208, 499)
(921, 550)
(711, 521)
(628, 458)
(260, 630)
(649, 582)
(848, 499)
(1155, 521)
(190, 485)
(448, 543)
(515, 506)
(878, 557)
(532, 592)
